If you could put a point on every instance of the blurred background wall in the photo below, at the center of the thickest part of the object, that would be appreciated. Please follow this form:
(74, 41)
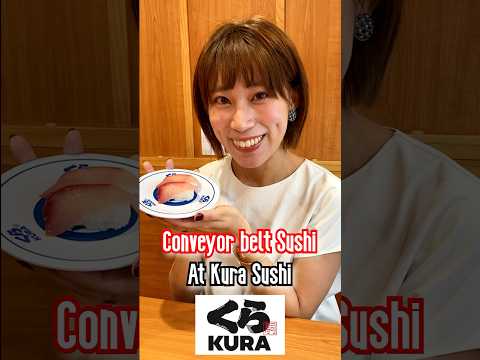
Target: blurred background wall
(70, 64)
(431, 83)
(430, 89)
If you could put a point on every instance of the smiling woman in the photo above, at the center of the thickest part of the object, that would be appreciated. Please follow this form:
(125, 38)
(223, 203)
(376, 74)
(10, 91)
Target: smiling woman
(250, 93)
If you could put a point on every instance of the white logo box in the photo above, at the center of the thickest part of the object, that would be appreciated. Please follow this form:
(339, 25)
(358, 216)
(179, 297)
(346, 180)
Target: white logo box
(215, 337)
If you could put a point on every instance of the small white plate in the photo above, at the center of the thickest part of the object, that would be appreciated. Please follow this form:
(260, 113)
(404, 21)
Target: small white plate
(23, 235)
(207, 197)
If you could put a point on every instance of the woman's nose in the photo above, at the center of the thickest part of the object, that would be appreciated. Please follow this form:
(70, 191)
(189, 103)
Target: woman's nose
(243, 119)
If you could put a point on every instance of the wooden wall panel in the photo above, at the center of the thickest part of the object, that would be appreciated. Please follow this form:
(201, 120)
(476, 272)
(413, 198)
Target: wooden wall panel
(314, 26)
(432, 80)
(120, 65)
(66, 62)
(162, 93)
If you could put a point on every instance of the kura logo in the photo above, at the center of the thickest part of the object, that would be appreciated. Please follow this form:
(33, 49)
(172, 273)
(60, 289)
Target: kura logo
(239, 324)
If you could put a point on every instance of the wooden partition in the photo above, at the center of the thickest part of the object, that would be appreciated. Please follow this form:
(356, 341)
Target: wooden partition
(172, 33)
(431, 83)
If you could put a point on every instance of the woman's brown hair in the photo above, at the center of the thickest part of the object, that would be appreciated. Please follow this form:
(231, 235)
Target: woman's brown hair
(369, 58)
(259, 53)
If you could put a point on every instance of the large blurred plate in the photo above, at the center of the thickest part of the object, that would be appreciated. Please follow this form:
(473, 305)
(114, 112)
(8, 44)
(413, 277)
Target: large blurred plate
(23, 235)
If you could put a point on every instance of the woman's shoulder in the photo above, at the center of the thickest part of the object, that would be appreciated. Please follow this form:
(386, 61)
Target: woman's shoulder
(317, 185)
(319, 175)
(426, 161)
(404, 157)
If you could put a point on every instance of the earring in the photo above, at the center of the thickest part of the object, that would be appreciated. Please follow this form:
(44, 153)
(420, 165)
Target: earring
(292, 115)
(363, 27)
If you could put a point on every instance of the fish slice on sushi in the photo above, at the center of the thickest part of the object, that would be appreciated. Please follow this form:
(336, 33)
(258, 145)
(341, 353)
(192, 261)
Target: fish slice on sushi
(176, 191)
(96, 207)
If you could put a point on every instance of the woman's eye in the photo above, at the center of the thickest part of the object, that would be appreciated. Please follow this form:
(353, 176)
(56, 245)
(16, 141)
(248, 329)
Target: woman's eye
(221, 100)
(260, 96)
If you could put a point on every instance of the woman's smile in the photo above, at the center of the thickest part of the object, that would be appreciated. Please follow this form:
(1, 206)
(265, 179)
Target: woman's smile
(249, 144)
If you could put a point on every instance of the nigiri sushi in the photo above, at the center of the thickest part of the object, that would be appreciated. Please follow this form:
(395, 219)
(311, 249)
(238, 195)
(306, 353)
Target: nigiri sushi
(97, 207)
(96, 175)
(177, 187)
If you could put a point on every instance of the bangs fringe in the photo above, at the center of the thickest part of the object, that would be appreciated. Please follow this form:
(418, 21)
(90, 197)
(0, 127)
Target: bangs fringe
(237, 58)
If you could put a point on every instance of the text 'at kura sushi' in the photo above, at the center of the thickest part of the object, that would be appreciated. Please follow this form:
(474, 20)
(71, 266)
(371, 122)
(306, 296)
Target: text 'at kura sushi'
(95, 198)
(177, 187)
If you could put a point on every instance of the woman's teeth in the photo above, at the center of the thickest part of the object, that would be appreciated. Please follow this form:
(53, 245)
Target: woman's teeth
(248, 143)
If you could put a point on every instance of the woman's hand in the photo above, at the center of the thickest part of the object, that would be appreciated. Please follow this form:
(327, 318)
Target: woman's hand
(222, 218)
(147, 165)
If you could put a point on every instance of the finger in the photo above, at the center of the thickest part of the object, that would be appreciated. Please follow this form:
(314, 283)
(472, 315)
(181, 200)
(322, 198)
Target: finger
(147, 165)
(21, 149)
(73, 142)
(215, 214)
(169, 164)
(205, 226)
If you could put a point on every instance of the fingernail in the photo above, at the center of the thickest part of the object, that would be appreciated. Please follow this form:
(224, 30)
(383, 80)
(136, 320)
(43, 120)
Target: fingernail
(11, 136)
(198, 217)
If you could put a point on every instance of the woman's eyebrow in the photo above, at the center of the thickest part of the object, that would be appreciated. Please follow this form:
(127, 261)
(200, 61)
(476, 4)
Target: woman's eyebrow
(225, 88)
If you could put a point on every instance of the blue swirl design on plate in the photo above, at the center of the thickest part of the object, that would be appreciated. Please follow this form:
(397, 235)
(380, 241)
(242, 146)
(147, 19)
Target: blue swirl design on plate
(172, 202)
(76, 235)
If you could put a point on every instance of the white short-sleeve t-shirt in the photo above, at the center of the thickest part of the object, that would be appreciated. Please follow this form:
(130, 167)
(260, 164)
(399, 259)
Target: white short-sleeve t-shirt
(310, 198)
(411, 227)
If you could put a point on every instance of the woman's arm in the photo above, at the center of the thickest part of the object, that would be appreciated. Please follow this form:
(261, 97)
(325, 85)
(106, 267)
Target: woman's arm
(178, 279)
(312, 278)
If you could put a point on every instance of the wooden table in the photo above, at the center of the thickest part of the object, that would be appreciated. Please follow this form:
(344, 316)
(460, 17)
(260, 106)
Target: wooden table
(162, 336)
